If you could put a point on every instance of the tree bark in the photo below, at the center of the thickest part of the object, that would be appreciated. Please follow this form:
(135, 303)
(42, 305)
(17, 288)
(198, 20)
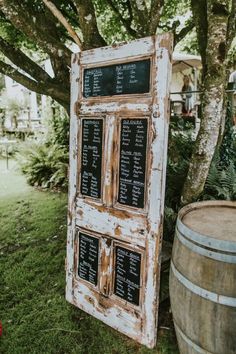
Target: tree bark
(88, 24)
(213, 47)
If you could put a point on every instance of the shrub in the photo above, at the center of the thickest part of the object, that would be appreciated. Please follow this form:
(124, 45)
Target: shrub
(58, 129)
(45, 165)
(180, 148)
(221, 182)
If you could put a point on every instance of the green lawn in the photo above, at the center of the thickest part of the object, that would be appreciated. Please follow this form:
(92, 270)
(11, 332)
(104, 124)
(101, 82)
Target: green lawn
(35, 316)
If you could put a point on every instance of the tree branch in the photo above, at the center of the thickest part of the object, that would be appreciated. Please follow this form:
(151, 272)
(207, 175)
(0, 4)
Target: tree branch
(53, 89)
(183, 32)
(141, 17)
(26, 21)
(130, 11)
(155, 14)
(24, 80)
(199, 10)
(63, 21)
(22, 61)
(126, 23)
(88, 24)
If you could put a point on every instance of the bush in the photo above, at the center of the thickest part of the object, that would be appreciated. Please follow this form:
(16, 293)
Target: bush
(45, 165)
(221, 180)
(180, 149)
(58, 130)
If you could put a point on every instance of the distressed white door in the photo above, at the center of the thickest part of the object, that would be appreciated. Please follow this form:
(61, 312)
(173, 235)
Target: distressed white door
(118, 152)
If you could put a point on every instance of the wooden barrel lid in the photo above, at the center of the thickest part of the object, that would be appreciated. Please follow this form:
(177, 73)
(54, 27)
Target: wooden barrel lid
(217, 221)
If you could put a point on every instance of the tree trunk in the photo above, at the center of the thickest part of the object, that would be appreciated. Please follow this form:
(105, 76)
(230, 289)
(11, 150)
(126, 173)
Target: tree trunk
(214, 79)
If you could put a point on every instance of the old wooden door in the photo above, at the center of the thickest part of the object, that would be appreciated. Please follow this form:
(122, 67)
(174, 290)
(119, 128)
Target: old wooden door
(118, 148)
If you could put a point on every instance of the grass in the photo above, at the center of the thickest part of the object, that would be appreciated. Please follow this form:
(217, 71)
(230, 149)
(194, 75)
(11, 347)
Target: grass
(35, 316)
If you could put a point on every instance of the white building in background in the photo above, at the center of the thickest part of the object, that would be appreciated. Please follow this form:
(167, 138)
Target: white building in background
(24, 109)
(21, 103)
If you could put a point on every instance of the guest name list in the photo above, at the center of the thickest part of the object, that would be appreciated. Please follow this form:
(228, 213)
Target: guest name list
(91, 161)
(127, 78)
(132, 166)
(127, 275)
(88, 258)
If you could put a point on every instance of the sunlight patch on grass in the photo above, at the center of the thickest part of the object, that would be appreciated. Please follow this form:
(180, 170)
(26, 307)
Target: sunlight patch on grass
(12, 183)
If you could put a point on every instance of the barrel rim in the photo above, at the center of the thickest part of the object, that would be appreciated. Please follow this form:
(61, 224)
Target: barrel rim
(216, 254)
(206, 240)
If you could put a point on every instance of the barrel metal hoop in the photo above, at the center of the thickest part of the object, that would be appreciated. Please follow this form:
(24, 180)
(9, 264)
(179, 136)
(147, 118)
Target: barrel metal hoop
(219, 256)
(207, 241)
(206, 294)
(191, 344)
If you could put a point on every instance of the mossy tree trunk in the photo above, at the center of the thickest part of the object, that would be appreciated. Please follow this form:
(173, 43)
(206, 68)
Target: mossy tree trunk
(212, 23)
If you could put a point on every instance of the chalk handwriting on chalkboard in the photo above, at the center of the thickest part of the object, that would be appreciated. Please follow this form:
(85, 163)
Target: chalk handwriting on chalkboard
(88, 258)
(127, 275)
(91, 159)
(132, 164)
(119, 79)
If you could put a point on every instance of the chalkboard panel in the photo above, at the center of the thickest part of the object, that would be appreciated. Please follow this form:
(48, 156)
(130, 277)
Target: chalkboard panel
(127, 275)
(91, 160)
(132, 164)
(119, 79)
(88, 258)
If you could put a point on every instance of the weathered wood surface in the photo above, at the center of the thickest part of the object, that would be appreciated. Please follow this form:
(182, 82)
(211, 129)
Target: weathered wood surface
(202, 278)
(116, 225)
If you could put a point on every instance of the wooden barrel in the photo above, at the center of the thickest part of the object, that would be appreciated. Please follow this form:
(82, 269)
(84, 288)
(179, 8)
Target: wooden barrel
(203, 278)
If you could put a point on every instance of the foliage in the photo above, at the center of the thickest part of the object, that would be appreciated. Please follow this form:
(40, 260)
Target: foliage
(45, 165)
(221, 180)
(189, 44)
(58, 127)
(227, 150)
(35, 315)
(180, 148)
(220, 183)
